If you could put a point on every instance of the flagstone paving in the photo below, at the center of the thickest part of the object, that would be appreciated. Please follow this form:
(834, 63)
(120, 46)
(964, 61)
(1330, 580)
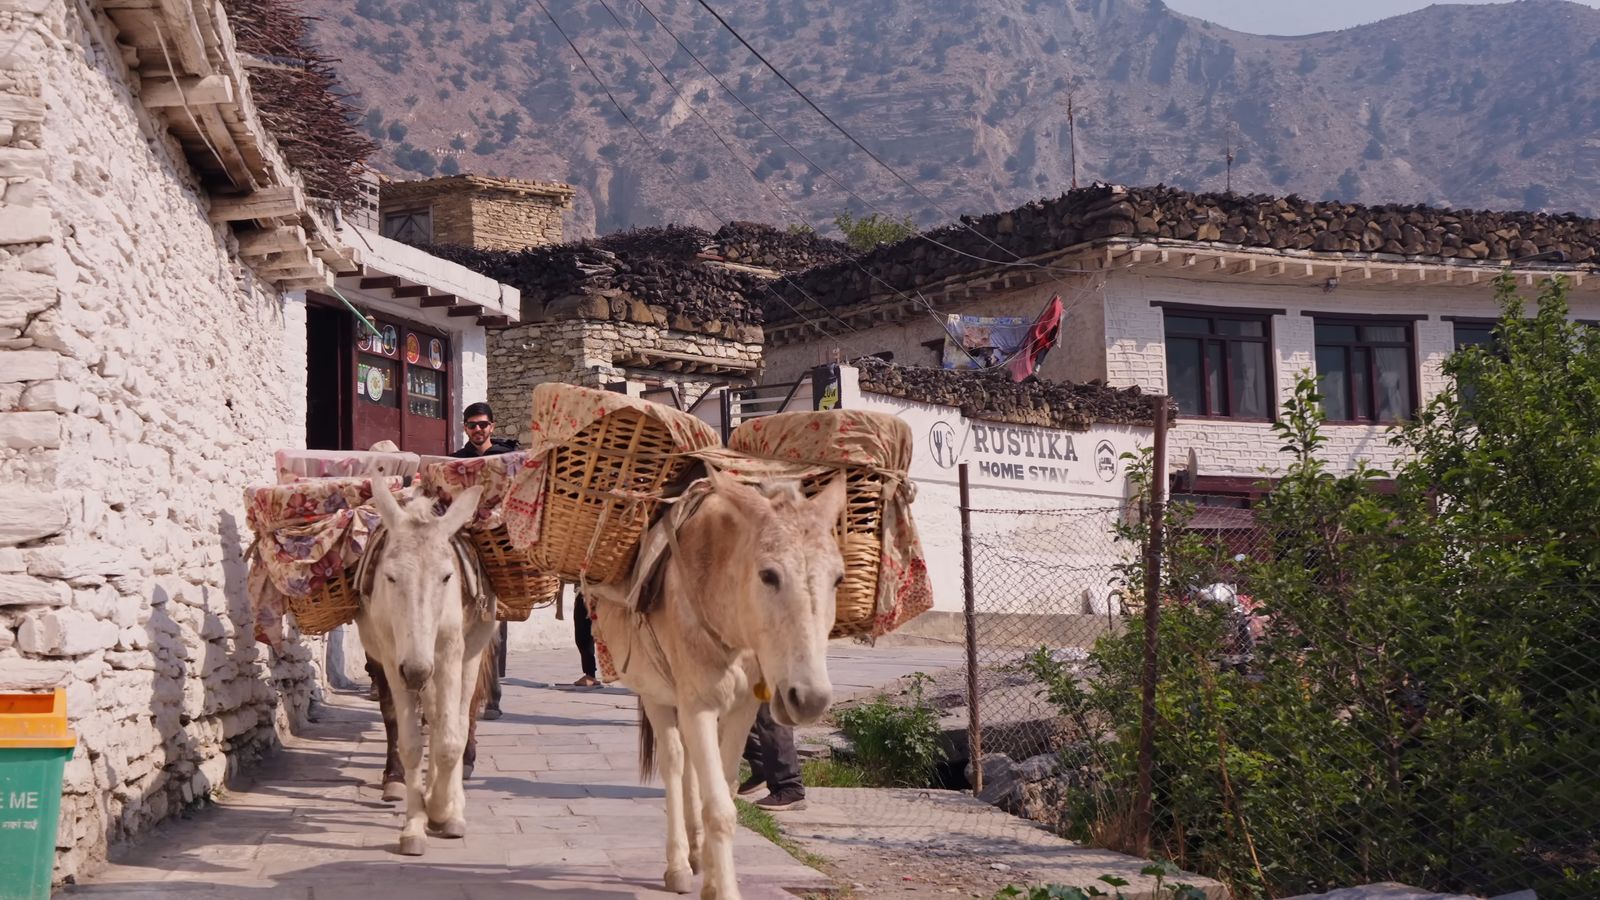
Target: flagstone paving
(555, 808)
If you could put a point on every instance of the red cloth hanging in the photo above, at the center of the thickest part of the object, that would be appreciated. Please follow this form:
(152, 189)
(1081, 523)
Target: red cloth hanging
(1044, 334)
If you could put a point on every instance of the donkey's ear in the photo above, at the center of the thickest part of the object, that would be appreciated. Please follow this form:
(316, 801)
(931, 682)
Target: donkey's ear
(829, 502)
(463, 509)
(388, 507)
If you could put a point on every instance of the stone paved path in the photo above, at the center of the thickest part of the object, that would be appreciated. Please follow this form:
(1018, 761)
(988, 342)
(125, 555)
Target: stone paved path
(555, 808)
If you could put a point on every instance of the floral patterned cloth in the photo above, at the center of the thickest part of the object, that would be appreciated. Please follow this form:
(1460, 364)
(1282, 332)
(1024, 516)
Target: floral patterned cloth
(444, 480)
(294, 465)
(560, 412)
(311, 530)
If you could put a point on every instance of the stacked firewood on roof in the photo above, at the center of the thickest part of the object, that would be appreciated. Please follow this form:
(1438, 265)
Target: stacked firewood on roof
(670, 277)
(991, 394)
(1164, 213)
(299, 97)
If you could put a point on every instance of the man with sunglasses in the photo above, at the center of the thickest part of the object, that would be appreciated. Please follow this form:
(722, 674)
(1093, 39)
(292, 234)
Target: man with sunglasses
(478, 422)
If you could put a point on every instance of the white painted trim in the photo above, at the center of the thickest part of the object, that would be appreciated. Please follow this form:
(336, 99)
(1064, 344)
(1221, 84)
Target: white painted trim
(390, 257)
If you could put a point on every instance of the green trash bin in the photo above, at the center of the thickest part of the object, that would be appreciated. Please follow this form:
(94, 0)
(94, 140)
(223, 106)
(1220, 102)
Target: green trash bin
(34, 748)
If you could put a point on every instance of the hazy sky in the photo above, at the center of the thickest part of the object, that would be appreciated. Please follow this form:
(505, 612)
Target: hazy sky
(1303, 16)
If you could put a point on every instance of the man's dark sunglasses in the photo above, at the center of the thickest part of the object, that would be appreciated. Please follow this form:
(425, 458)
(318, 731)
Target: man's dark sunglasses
(473, 425)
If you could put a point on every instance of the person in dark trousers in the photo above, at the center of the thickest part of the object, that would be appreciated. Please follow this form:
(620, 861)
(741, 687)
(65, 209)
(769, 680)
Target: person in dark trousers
(583, 634)
(478, 422)
(774, 762)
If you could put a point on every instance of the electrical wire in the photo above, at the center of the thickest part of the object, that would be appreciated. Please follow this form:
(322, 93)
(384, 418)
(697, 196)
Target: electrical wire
(1018, 260)
(649, 145)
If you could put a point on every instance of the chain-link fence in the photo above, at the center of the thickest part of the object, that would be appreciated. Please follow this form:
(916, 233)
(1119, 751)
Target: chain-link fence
(1336, 702)
(1045, 582)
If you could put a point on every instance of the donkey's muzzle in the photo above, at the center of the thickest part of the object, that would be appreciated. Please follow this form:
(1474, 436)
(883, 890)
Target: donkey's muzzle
(414, 675)
(801, 704)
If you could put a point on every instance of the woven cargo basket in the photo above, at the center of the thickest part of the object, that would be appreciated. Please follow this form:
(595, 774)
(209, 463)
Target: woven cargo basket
(860, 536)
(327, 608)
(603, 484)
(862, 447)
(519, 586)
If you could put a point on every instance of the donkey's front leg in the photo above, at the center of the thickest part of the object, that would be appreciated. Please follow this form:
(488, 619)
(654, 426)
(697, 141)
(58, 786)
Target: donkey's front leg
(394, 774)
(447, 800)
(413, 837)
(699, 727)
(670, 760)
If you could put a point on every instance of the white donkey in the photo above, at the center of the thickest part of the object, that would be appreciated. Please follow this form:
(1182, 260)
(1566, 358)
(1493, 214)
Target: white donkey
(418, 623)
(741, 616)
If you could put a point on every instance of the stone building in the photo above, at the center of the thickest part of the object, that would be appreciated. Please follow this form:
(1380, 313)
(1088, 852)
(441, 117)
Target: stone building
(169, 243)
(664, 312)
(474, 211)
(1219, 300)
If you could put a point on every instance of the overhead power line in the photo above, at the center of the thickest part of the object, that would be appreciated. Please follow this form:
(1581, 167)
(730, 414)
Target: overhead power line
(649, 145)
(1017, 259)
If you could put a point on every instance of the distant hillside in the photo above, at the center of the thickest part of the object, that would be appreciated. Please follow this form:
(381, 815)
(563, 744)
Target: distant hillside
(1474, 106)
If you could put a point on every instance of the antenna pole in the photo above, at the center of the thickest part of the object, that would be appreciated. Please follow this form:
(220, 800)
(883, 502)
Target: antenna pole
(1072, 140)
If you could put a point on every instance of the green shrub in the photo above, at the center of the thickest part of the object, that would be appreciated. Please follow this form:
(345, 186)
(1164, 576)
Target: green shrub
(897, 744)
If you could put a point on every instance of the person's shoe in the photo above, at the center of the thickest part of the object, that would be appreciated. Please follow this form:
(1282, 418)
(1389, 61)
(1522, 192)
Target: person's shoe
(490, 713)
(781, 802)
(751, 785)
(587, 681)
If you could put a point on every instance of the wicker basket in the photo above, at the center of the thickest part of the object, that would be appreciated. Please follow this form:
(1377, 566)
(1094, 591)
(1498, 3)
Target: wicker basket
(602, 487)
(860, 536)
(334, 604)
(519, 587)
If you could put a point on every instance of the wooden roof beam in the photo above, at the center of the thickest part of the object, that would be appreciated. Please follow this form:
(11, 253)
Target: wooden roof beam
(411, 290)
(382, 282)
(439, 301)
(465, 311)
(272, 240)
(210, 90)
(268, 203)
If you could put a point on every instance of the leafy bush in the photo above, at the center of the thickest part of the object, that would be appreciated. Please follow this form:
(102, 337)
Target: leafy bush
(898, 744)
(868, 232)
(1423, 707)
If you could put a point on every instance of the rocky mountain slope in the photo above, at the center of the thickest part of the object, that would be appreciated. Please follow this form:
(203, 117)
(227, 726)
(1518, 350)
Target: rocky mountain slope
(1492, 106)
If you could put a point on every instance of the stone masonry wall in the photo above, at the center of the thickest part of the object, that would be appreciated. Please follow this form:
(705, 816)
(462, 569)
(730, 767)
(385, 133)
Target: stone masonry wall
(579, 352)
(145, 380)
(510, 223)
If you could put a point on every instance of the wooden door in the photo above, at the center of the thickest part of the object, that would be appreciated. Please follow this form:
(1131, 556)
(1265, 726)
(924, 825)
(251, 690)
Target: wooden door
(378, 381)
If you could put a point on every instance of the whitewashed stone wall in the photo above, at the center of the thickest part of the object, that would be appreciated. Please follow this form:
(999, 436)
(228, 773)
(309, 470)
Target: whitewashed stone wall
(1081, 355)
(1136, 354)
(145, 380)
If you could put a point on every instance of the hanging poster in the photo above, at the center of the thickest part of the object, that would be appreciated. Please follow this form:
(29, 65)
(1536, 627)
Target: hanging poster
(984, 341)
(413, 349)
(436, 353)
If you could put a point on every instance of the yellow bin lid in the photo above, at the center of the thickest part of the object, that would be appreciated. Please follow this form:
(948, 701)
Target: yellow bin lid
(35, 720)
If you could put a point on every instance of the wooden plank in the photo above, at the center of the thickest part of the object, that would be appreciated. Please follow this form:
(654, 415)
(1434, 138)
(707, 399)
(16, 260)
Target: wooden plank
(382, 282)
(267, 203)
(411, 290)
(274, 240)
(439, 301)
(494, 321)
(462, 312)
(157, 93)
(183, 38)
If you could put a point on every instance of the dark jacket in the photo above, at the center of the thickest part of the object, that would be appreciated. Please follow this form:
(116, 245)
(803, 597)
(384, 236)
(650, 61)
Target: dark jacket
(496, 447)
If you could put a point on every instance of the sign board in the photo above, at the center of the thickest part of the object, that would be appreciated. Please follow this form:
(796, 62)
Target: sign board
(1022, 457)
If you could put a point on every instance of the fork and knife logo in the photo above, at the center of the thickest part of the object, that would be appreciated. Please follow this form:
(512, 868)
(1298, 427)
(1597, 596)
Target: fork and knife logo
(942, 440)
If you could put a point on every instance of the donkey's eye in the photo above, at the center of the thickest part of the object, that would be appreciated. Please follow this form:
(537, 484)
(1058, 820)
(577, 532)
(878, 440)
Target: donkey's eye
(391, 579)
(838, 582)
(769, 577)
(447, 577)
